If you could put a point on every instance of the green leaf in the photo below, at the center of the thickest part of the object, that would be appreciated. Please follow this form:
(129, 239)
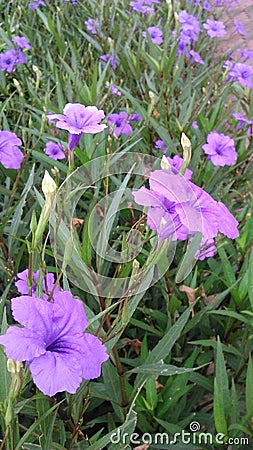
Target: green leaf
(222, 378)
(164, 346)
(166, 370)
(218, 411)
(16, 220)
(189, 259)
(112, 386)
(250, 278)
(151, 392)
(5, 375)
(35, 425)
(249, 390)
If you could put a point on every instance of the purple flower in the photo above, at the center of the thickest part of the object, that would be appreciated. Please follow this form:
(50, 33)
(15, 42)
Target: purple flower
(52, 342)
(134, 117)
(10, 59)
(92, 25)
(36, 4)
(109, 58)
(115, 91)
(119, 124)
(239, 28)
(21, 42)
(160, 144)
(242, 119)
(78, 119)
(189, 32)
(246, 54)
(54, 150)
(189, 23)
(242, 73)
(176, 165)
(74, 2)
(10, 155)
(220, 149)
(215, 28)
(139, 6)
(178, 208)
(155, 35)
(195, 125)
(207, 6)
(21, 58)
(207, 249)
(196, 58)
(47, 284)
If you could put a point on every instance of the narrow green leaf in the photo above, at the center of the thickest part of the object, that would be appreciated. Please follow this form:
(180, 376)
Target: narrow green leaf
(249, 390)
(189, 259)
(34, 426)
(218, 411)
(166, 370)
(5, 375)
(222, 379)
(16, 220)
(250, 278)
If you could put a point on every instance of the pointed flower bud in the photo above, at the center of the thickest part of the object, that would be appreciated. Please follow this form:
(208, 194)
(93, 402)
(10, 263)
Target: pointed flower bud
(165, 163)
(49, 190)
(187, 152)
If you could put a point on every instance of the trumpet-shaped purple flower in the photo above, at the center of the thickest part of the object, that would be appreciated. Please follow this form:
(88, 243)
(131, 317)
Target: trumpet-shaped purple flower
(215, 28)
(196, 58)
(239, 28)
(48, 282)
(22, 42)
(78, 119)
(10, 155)
(119, 124)
(54, 150)
(207, 6)
(10, 59)
(189, 31)
(160, 144)
(176, 165)
(141, 7)
(178, 208)
(220, 149)
(107, 57)
(242, 120)
(134, 117)
(189, 24)
(92, 25)
(155, 35)
(242, 73)
(115, 91)
(52, 342)
(36, 4)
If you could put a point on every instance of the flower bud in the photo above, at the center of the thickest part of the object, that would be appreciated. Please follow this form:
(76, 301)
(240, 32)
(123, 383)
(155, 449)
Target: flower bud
(14, 366)
(49, 190)
(187, 152)
(48, 185)
(165, 163)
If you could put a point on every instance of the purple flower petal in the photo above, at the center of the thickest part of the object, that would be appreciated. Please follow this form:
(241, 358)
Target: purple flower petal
(22, 344)
(221, 149)
(56, 372)
(93, 351)
(53, 343)
(10, 155)
(78, 119)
